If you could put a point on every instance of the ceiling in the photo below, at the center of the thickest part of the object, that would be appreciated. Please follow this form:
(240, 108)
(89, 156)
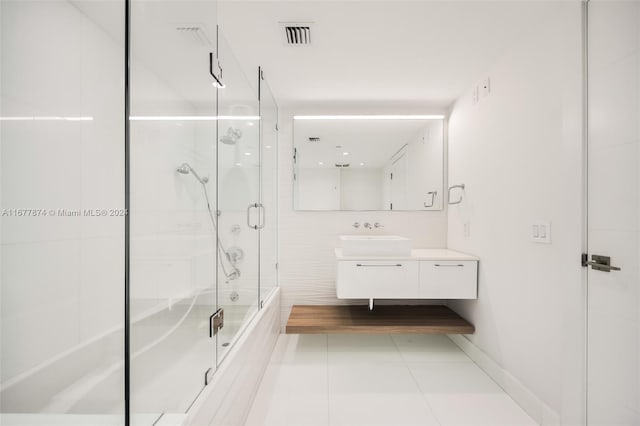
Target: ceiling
(363, 53)
(418, 52)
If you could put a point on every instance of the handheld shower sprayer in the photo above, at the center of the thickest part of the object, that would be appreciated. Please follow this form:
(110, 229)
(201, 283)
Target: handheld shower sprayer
(185, 169)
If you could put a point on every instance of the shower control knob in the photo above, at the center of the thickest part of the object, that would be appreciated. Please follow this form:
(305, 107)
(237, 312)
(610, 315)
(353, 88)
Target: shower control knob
(378, 225)
(356, 224)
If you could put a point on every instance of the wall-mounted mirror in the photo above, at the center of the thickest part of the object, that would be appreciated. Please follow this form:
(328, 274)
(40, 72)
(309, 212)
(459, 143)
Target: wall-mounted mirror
(368, 162)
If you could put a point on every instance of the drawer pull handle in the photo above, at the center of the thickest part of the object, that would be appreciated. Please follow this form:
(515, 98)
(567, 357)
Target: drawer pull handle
(459, 265)
(373, 266)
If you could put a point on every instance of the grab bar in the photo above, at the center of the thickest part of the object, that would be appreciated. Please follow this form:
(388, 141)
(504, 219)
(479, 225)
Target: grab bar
(251, 206)
(461, 186)
(433, 198)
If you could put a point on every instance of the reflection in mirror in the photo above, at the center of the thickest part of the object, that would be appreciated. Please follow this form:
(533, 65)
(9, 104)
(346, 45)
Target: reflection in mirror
(368, 162)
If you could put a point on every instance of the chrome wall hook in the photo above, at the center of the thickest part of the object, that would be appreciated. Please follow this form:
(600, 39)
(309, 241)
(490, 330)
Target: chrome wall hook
(461, 186)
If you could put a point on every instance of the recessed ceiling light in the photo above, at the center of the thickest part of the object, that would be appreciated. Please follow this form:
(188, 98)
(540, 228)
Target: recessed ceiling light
(362, 164)
(320, 163)
(247, 153)
(238, 164)
(268, 146)
(345, 153)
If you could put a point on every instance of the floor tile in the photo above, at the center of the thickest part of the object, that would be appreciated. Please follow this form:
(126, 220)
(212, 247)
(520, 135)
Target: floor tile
(453, 378)
(289, 410)
(378, 380)
(476, 409)
(417, 348)
(359, 348)
(375, 394)
(380, 409)
(291, 395)
(300, 349)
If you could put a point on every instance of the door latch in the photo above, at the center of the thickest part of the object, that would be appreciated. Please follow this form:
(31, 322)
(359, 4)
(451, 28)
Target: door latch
(599, 263)
(216, 322)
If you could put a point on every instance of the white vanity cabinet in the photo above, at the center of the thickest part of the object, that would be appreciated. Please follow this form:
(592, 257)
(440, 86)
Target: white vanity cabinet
(367, 279)
(424, 274)
(448, 279)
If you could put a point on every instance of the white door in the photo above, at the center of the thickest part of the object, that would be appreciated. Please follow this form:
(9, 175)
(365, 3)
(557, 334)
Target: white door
(613, 357)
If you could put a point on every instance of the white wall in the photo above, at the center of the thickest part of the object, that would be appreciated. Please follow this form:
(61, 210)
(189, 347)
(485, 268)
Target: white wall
(519, 151)
(361, 189)
(307, 239)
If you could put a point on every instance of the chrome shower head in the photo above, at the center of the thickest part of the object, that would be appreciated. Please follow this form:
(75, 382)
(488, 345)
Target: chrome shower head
(232, 136)
(185, 169)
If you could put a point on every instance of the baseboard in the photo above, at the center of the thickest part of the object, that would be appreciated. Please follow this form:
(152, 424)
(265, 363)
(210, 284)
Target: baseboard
(227, 400)
(527, 400)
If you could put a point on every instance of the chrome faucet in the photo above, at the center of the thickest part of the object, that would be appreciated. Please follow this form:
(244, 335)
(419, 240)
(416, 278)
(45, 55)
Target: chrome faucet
(378, 225)
(367, 225)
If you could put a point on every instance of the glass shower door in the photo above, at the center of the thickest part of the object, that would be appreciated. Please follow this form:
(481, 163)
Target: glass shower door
(613, 357)
(268, 188)
(239, 212)
(62, 226)
(173, 217)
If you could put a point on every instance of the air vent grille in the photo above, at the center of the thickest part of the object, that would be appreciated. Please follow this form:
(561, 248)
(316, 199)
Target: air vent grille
(314, 139)
(195, 32)
(297, 33)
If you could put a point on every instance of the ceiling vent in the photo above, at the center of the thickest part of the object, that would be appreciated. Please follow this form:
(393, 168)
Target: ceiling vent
(297, 33)
(314, 139)
(195, 32)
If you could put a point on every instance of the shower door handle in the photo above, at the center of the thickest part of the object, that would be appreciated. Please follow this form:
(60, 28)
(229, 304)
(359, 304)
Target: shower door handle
(263, 214)
(251, 206)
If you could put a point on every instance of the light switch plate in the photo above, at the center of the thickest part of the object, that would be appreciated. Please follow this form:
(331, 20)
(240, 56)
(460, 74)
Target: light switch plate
(540, 232)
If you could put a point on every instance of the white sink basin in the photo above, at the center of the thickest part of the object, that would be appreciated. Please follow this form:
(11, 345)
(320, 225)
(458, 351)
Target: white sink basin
(375, 245)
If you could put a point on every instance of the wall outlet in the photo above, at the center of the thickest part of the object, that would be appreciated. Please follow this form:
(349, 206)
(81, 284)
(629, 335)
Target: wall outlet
(485, 87)
(540, 232)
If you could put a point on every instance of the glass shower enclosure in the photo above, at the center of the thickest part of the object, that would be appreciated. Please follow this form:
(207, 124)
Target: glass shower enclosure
(139, 186)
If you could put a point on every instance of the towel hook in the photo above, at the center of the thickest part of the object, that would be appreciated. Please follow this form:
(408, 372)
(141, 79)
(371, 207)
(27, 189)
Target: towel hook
(433, 198)
(461, 186)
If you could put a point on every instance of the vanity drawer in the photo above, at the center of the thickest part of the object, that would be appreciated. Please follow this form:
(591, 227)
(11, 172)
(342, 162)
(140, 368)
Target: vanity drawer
(377, 279)
(450, 279)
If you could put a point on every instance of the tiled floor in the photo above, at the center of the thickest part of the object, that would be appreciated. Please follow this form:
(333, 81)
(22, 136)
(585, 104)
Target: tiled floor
(378, 380)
